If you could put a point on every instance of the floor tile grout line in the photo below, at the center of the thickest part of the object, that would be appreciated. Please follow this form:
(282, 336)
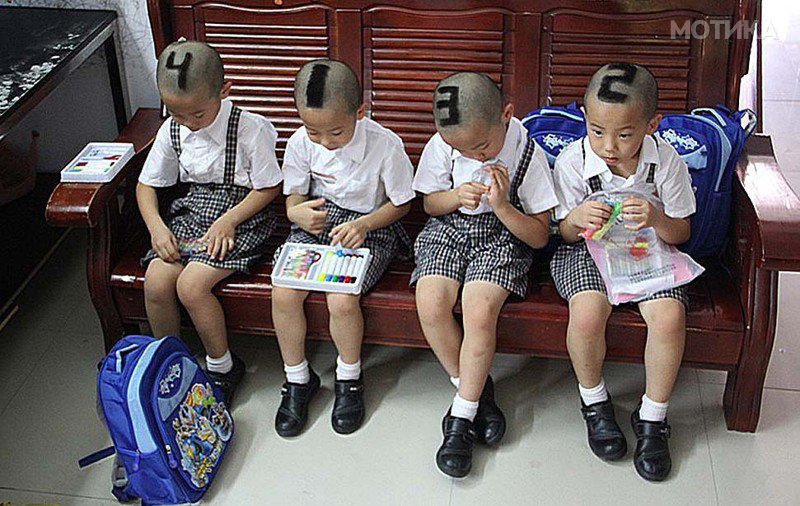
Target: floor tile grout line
(782, 389)
(27, 376)
(57, 494)
(708, 440)
(452, 492)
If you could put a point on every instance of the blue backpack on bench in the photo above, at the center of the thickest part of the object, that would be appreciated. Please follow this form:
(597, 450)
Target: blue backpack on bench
(169, 429)
(709, 140)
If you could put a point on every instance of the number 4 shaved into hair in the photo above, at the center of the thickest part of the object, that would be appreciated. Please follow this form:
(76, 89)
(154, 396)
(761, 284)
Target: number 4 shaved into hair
(451, 104)
(182, 68)
(606, 93)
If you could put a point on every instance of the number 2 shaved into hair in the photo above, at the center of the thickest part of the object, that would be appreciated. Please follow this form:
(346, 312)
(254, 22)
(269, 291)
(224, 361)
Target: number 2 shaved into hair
(182, 68)
(606, 93)
(451, 104)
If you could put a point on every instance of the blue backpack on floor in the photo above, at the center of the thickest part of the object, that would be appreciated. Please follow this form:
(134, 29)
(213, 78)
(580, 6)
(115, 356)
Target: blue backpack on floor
(170, 429)
(709, 140)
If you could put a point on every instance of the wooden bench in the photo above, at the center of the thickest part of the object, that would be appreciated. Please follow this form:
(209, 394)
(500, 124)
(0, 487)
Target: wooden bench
(540, 52)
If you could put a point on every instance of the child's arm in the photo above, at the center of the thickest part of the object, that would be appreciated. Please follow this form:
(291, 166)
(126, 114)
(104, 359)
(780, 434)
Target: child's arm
(219, 237)
(445, 202)
(670, 230)
(352, 233)
(532, 229)
(161, 238)
(303, 213)
(589, 215)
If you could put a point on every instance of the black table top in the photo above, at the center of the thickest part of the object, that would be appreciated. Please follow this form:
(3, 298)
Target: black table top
(36, 43)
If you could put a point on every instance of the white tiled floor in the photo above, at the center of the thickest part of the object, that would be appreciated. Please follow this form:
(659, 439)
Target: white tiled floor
(48, 419)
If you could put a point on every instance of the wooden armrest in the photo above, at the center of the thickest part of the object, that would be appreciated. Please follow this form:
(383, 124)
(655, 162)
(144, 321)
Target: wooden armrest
(775, 205)
(82, 204)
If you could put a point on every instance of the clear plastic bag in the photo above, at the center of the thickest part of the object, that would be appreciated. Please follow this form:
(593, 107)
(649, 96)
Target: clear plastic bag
(635, 264)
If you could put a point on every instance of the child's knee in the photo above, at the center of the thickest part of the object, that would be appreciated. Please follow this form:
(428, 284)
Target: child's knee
(287, 299)
(479, 317)
(192, 289)
(588, 314)
(159, 287)
(434, 303)
(343, 306)
(665, 317)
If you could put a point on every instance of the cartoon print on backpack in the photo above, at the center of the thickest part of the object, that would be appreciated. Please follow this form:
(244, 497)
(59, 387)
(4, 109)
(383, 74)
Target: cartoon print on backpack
(202, 427)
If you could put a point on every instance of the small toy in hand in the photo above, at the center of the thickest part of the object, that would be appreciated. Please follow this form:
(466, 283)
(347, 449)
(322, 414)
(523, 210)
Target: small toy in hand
(191, 247)
(616, 211)
(640, 248)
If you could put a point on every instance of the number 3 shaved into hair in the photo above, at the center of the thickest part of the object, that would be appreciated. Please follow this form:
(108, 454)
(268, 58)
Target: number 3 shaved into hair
(182, 68)
(606, 93)
(451, 104)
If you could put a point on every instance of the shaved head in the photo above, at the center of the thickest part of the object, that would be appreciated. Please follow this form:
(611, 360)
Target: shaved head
(465, 99)
(189, 67)
(624, 83)
(326, 84)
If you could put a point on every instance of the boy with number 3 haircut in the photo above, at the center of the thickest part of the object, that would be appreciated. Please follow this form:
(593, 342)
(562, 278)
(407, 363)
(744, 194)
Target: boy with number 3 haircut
(621, 152)
(488, 189)
(348, 182)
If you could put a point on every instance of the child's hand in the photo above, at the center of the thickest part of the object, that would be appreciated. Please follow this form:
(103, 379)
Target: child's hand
(640, 211)
(308, 217)
(165, 245)
(469, 194)
(590, 215)
(349, 235)
(219, 238)
(498, 192)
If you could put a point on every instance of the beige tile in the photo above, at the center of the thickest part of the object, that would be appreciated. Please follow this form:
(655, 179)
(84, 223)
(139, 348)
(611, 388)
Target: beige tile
(781, 79)
(546, 460)
(389, 461)
(22, 497)
(784, 365)
(22, 349)
(781, 118)
(708, 376)
(52, 422)
(758, 468)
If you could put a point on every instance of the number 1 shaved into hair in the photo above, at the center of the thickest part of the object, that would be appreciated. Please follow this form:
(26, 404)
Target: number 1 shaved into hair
(182, 68)
(315, 92)
(451, 104)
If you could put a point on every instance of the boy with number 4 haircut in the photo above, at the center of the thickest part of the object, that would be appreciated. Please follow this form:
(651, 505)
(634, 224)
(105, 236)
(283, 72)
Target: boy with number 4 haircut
(621, 152)
(488, 189)
(348, 182)
(228, 156)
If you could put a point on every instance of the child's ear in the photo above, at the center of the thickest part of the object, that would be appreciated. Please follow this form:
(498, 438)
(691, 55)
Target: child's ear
(361, 111)
(508, 113)
(652, 125)
(225, 90)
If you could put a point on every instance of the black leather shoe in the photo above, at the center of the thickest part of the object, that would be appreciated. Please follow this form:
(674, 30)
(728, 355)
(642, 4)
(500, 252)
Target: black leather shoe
(605, 437)
(292, 414)
(348, 408)
(454, 457)
(651, 459)
(229, 381)
(490, 423)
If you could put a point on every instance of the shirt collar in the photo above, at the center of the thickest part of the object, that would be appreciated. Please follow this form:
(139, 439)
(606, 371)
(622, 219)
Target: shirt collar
(357, 147)
(218, 129)
(595, 166)
(508, 152)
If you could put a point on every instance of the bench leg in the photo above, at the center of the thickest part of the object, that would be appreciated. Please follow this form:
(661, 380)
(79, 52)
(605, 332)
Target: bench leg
(98, 273)
(743, 389)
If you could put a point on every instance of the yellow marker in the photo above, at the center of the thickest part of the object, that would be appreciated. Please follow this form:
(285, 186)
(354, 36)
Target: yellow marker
(325, 265)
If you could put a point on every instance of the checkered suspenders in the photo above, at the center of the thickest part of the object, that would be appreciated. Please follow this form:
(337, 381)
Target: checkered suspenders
(231, 142)
(522, 169)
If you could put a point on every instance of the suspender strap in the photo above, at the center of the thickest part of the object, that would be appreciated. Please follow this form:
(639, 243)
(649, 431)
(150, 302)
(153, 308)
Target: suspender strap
(595, 184)
(231, 142)
(175, 135)
(522, 169)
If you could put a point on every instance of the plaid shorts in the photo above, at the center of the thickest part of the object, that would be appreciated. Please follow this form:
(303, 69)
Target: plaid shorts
(574, 271)
(192, 215)
(384, 244)
(472, 248)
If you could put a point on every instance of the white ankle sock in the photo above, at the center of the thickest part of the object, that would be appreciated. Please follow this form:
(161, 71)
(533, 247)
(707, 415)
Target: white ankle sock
(456, 381)
(653, 411)
(221, 365)
(595, 394)
(463, 408)
(299, 373)
(347, 372)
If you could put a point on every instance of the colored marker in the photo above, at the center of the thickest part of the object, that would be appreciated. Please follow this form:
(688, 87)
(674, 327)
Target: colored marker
(348, 269)
(341, 272)
(326, 265)
(337, 269)
(331, 269)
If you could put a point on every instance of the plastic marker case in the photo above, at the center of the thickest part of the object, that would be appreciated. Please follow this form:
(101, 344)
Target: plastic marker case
(321, 268)
(98, 162)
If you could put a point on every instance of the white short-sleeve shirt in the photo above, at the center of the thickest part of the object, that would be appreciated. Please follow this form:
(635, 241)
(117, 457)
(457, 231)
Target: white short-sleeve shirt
(370, 170)
(443, 168)
(673, 183)
(202, 157)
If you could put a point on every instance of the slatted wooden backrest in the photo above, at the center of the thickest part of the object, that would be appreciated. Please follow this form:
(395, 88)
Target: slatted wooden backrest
(539, 51)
